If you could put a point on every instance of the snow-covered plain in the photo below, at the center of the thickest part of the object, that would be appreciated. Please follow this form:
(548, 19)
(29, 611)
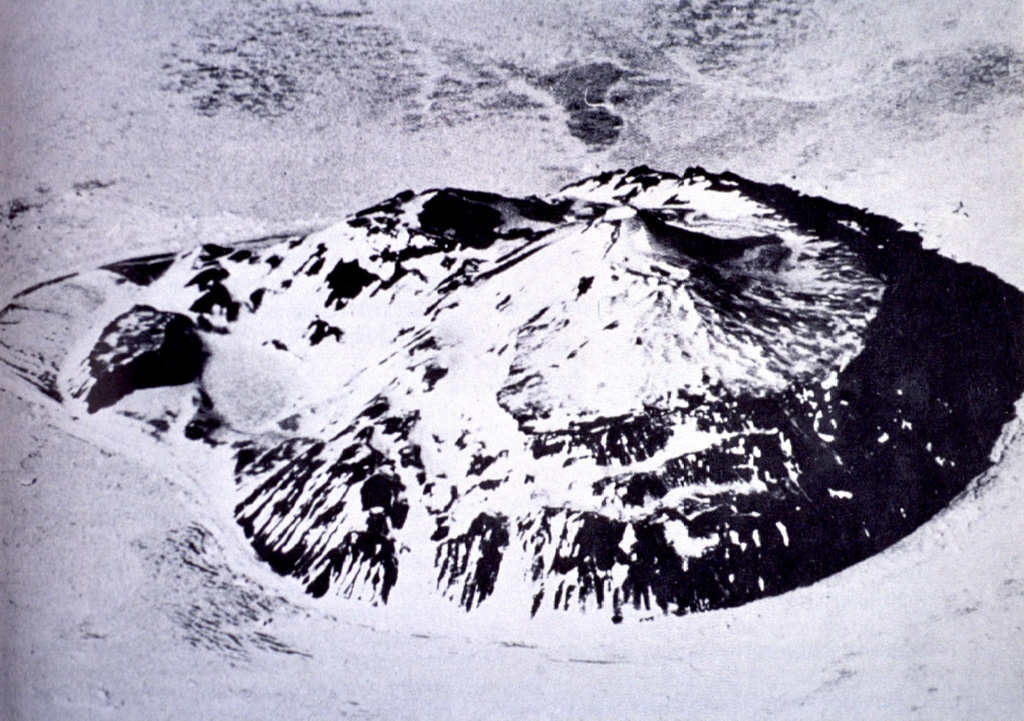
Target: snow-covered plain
(124, 595)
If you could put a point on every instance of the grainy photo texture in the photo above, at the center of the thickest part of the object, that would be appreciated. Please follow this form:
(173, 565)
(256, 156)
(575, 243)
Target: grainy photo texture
(387, 359)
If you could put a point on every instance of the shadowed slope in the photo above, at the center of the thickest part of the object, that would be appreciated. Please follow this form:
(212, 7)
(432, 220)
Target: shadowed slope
(647, 391)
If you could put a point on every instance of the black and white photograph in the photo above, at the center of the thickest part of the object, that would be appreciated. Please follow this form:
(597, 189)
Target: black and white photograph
(534, 359)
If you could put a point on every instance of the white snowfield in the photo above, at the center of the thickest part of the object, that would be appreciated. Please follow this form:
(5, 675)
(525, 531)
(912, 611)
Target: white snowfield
(128, 587)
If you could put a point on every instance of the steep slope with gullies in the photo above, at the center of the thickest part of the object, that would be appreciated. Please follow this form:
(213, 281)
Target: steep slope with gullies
(645, 393)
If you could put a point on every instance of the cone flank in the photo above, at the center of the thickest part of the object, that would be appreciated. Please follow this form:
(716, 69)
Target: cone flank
(646, 391)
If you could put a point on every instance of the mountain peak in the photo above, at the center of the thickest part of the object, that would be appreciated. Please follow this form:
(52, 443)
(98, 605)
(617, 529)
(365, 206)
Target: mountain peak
(646, 391)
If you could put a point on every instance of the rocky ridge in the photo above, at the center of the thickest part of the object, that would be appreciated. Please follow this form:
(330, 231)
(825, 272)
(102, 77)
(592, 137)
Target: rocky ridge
(644, 393)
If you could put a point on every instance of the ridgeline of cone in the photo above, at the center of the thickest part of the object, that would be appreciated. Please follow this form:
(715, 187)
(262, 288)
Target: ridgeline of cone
(646, 391)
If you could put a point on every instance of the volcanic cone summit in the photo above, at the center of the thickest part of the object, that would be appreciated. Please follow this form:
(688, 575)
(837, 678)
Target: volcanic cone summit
(644, 392)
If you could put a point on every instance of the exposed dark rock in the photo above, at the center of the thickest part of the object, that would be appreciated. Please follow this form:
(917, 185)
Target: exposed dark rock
(582, 91)
(143, 348)
(346, 280)
(651, 408)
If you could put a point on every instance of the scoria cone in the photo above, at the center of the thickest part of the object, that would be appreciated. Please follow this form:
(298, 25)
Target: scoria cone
(646, 391)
